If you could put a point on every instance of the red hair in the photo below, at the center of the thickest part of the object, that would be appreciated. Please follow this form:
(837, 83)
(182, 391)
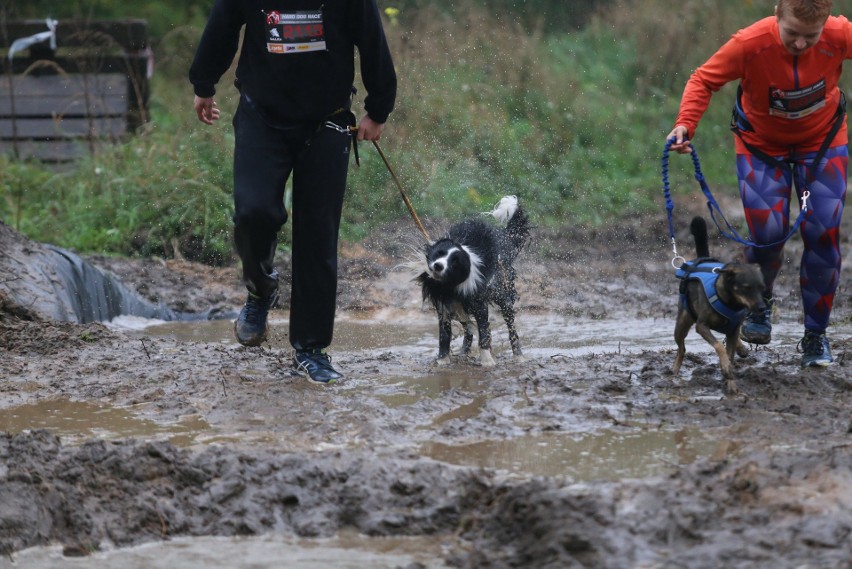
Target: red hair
(808, 11)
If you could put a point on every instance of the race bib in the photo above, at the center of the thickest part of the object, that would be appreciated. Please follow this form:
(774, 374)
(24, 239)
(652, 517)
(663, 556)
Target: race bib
(797, 104)
(294, 32)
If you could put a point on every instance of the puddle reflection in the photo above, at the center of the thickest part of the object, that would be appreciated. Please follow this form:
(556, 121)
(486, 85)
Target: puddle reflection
(346, 551)
(410, 332)
(76, 420)
(415, 334)
(603, 455)
(402, 391)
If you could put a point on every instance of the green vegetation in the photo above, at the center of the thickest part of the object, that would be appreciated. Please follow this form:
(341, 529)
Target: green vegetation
(567, 109)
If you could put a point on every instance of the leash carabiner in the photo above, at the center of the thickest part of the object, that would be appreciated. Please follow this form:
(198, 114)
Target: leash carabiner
(677, 260)
(338, 128)
(349, 130)
(805, 195)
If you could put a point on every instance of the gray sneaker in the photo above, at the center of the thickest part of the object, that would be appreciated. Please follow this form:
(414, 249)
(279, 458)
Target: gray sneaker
(251, 327)
(815, 350)
(757, 328)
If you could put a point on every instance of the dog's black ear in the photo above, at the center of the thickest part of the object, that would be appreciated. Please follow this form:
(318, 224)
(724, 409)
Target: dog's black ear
(733, 268)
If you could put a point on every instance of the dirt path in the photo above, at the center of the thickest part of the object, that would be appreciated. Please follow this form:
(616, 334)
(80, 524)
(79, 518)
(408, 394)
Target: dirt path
(264, 452)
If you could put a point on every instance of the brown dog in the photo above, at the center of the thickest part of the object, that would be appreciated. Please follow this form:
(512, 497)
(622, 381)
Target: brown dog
(715, 297)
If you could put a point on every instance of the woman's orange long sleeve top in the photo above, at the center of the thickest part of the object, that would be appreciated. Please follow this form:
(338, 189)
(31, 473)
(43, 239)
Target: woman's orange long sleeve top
(790, 100)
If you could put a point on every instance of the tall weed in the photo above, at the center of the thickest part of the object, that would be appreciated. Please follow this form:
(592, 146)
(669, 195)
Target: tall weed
(491, 102)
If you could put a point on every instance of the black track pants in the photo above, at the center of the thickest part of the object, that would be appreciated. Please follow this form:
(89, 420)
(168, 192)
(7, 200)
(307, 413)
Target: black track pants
(264, 158)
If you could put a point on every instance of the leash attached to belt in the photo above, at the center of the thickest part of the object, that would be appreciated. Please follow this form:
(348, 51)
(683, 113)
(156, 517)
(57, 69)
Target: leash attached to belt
(728, 231)
(353, 130)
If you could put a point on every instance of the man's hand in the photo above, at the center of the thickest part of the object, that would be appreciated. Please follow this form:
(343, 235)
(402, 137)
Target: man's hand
(206, 109)
(369, 129)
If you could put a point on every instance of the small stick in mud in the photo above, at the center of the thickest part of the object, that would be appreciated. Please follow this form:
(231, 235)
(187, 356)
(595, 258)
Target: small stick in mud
(224, 388)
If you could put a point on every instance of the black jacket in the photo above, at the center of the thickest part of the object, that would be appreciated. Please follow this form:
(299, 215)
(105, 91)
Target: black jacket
(297, 57)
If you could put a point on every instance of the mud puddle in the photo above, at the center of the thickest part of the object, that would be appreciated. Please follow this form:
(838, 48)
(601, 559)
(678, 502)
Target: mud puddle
(599, 456)
(415, 333)
(348, 550)
(175, 444)
(586, 454)
(76, 421)
(602, 455)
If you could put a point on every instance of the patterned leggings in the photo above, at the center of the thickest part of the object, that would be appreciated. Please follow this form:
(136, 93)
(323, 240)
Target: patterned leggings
(765, 191)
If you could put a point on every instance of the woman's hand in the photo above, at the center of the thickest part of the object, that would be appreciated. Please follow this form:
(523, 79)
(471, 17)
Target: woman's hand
(681, 143)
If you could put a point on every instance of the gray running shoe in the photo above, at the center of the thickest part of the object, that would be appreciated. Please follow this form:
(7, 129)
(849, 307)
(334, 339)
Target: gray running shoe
(251, 327)
(815, 350)
(757, 328)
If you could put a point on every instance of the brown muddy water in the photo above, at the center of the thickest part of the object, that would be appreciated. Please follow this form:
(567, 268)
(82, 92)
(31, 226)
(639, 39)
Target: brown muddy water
(583, 453)
(345, 551)
(178, 448)
(587, 454)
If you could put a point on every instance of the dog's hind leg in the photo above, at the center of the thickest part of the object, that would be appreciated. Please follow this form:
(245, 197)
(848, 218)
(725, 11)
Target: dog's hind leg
(514, 340)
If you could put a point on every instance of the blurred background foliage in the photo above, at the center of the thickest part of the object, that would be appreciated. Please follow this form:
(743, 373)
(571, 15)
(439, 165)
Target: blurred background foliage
(565, 104)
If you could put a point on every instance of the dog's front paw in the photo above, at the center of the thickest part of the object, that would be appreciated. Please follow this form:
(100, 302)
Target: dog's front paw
(486, 359)
(444, 361)
(519, 358)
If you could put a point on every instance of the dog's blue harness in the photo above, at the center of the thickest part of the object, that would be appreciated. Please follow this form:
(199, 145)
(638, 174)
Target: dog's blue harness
(706, 270)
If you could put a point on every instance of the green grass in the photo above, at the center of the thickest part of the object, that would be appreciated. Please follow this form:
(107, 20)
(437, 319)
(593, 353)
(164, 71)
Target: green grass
(573, 122)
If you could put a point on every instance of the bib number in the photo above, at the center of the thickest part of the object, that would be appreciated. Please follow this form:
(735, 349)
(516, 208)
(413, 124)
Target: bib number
(294, 32)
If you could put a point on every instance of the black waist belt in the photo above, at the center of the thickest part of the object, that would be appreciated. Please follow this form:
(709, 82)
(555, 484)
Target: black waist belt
(740, 124)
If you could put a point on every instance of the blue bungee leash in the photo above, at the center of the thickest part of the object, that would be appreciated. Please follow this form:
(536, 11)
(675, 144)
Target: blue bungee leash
(728, 231)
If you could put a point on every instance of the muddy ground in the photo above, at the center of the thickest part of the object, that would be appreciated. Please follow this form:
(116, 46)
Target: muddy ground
(301, 460)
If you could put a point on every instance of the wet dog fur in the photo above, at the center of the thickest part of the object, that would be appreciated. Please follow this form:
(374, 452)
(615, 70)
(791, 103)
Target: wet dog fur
(739, 286)
(470, 268)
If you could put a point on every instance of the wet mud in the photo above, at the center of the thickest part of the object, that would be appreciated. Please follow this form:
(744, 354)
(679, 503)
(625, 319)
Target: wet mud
(590, 453)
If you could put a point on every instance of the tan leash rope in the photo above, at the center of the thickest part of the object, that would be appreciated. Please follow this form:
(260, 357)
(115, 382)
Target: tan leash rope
(354, 130)
(402, 193)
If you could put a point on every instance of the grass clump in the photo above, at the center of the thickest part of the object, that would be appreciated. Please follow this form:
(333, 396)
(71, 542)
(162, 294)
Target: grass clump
(569, 113)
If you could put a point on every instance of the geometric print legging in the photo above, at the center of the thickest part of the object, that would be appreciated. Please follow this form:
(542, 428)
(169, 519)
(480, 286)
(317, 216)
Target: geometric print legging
(766, 190)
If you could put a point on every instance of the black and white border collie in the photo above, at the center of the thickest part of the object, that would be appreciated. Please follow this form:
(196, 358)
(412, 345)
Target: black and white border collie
(470, 268)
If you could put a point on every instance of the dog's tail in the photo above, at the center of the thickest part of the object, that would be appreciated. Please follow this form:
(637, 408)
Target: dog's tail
(698, 228)
(505, 209)
(510, 212)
